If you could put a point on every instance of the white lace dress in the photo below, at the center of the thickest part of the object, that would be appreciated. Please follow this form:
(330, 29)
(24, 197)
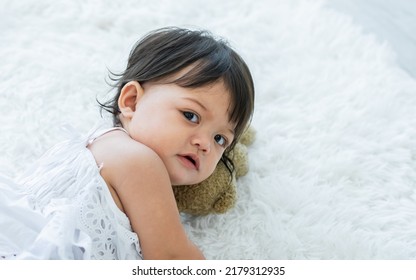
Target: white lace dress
(62, 209)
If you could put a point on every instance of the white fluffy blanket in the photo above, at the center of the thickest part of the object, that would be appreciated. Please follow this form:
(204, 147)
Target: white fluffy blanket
(333, 169)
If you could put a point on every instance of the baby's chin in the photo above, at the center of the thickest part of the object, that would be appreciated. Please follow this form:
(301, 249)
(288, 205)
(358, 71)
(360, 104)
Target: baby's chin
(186, 181)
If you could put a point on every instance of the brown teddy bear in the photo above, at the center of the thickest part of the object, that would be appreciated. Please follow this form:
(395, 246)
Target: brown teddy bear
(217, 194)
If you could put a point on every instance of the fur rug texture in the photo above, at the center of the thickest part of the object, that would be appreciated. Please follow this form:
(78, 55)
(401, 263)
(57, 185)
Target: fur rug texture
(333, 168)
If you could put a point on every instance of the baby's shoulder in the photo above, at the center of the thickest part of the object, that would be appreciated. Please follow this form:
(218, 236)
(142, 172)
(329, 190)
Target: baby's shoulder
(118, 149)
(125, 164)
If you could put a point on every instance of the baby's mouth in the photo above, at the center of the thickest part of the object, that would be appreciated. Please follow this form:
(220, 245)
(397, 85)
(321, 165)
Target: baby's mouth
(190, 161)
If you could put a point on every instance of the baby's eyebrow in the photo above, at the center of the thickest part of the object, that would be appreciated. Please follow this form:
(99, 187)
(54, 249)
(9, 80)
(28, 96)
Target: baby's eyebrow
(197, 102)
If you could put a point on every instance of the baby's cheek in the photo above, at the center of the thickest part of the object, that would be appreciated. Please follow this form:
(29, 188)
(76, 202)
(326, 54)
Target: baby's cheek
(212, 167)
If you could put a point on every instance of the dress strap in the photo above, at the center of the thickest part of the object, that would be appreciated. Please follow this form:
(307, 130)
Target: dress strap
(100, 132)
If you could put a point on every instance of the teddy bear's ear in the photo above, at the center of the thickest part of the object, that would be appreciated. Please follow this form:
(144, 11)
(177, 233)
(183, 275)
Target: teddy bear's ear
(239, 156)
(248, 136)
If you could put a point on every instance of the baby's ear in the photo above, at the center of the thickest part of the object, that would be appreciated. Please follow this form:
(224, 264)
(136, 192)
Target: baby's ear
(129, 95)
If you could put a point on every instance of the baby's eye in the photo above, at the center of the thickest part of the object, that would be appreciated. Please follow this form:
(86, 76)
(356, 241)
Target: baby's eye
(220, 140)
(191, 117)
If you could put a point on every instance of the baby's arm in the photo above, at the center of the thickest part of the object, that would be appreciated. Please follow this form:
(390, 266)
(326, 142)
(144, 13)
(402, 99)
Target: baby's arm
(142, 184)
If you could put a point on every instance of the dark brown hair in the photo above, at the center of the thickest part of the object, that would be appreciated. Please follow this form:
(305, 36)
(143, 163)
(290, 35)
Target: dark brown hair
(163, 52)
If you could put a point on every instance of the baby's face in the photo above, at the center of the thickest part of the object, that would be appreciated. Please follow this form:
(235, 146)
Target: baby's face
(188, 128)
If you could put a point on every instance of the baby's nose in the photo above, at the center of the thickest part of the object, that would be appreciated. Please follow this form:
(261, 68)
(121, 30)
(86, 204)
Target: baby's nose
(202, 143)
